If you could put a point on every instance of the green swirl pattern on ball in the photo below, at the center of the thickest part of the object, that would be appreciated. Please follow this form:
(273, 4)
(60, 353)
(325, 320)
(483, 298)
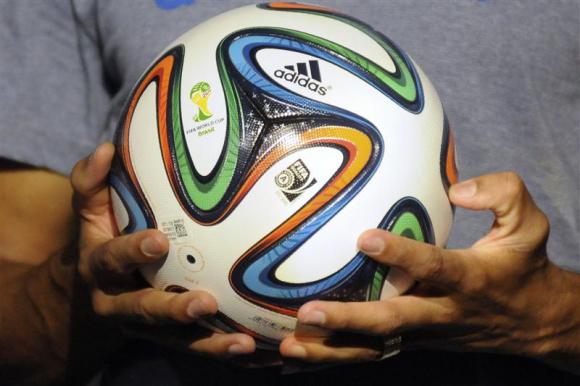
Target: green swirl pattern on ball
(400, 82)
(206, 195)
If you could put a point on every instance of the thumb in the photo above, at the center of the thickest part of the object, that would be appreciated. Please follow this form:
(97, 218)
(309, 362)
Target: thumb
(89, 181)
(506, 195)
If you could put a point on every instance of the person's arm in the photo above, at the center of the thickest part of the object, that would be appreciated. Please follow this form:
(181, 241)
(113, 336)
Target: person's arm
(501, 295)
(48, 329)
(37, 271)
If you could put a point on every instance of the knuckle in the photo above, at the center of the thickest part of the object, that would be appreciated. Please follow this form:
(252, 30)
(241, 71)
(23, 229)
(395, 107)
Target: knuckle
(476, 282)
(542, 225)
(390, 322)
(337, 317)
(449, 314)
(206, 348)
(318, 356)
(144, 310)
(392, 253)
(384, 318)
(108, 260)
(395, 322)
(514, 184)
(360, 355)
(177, 309)
(434, 266)
(343, 318)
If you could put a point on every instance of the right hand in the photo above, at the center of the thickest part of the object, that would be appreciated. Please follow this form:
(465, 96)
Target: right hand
(108, 262)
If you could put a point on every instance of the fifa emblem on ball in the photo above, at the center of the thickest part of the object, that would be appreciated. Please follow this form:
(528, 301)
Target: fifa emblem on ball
(199, 95)
(294, 180)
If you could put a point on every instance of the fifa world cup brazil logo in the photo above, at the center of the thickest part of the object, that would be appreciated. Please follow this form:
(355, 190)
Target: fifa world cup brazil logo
(199, 95)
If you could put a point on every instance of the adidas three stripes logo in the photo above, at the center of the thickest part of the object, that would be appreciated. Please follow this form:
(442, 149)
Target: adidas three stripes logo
(302, 69)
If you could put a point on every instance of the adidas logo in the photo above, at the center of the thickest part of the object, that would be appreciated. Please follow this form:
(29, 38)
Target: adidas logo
(300, 75)
(302, 70)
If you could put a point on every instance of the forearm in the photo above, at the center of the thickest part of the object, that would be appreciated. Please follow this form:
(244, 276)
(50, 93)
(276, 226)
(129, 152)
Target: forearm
(47, 327)
(35, 309)
(48, 331)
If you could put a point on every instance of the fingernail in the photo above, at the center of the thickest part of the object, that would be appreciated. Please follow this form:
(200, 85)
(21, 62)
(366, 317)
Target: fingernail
(150, 247)
(464, 189)
(372, 245)
(198, 308)
(313, 317)
(238, 348)
(296, 351)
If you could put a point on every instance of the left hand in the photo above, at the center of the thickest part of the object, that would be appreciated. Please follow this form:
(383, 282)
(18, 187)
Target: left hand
(500, 295)
(108, 262)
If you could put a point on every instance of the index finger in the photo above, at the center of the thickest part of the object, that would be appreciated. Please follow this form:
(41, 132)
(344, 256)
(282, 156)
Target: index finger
(424, 262)
(383, 317)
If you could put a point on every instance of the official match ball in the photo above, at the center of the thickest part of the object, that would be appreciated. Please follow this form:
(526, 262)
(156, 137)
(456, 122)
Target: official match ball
(263, 142)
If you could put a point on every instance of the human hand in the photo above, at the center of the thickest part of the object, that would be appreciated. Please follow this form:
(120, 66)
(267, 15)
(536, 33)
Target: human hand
(500, 295)
(108, 263)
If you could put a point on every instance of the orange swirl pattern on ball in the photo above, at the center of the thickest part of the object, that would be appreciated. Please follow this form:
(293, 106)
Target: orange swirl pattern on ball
(450, 164)
(160, 74)
(358, 148)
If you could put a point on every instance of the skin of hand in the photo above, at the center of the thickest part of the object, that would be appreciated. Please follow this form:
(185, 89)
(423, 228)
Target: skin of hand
(500, 295)
(108, 262)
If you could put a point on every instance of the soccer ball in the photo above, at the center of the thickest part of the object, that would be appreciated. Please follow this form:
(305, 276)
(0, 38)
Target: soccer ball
(262, 143)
